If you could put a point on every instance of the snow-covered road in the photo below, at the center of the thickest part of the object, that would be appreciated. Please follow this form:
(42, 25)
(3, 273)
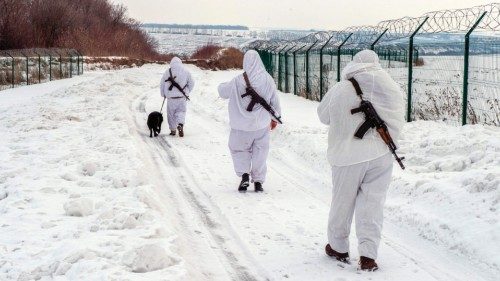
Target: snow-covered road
(167, 208)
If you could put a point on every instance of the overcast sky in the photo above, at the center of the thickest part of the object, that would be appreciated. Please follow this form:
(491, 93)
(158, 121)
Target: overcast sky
(301, 14)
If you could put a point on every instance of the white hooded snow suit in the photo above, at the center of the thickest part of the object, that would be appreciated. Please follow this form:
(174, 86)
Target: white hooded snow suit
(176, 102)
(249, 137)
(361, 169)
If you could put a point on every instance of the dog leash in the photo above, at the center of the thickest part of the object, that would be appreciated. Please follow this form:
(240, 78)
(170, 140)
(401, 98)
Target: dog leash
(164, 98)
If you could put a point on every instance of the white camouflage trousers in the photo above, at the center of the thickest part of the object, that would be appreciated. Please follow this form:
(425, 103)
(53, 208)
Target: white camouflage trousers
(249, 151)
(359, 188)
(176, 112)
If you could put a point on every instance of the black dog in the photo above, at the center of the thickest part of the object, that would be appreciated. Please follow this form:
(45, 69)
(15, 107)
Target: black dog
(155, 119)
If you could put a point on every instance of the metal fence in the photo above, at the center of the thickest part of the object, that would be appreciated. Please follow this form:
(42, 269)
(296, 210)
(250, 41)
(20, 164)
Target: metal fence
(34, 66)
(447, 62)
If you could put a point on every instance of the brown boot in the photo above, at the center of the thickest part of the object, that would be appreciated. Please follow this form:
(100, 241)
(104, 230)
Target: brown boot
(343, 257)
(367, 264)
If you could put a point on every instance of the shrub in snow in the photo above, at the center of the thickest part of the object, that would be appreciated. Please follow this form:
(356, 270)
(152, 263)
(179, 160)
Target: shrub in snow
(79, 207)
(148, 258)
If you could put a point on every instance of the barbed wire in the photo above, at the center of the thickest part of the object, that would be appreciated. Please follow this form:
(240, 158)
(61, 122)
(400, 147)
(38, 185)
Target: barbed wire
(442, 21)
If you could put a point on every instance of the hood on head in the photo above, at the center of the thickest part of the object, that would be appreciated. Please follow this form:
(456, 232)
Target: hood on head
(366, 60)
(252, 64)
(366, 56)
(175, 61)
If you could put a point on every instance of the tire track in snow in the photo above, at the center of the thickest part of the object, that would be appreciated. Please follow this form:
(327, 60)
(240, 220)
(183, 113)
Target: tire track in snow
(186, 182)
(220, 237)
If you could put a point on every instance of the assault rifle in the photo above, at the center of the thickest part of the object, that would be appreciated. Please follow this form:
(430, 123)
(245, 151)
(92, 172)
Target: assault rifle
(373, 120)
(173, 84)
(257, 99)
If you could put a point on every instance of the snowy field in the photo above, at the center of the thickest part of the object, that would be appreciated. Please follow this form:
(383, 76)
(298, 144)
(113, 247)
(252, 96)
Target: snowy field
(187, 44)
(85, 194)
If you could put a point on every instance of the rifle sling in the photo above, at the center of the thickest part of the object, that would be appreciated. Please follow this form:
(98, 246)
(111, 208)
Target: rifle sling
(356, 87)
(247, 81)
(249, 87)
(367, 124)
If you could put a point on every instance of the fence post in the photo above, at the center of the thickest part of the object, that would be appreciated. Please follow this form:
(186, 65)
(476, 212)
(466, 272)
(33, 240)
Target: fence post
(264, 56)
(286, 70)
(50, 66)
(279, 70)
(321, 68)
(410, 69)
(60, 66)
(338, 56)
(78, 62)
(70, 65)
(83, 61)
(372, 46)
(13, 78)
(307, 70)
(466, 69)
(295, 71)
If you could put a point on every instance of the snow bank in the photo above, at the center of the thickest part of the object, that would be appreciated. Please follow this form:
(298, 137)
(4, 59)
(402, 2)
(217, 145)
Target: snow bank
(148, 258)
(79, 208)
(450, 193)
(72, 184)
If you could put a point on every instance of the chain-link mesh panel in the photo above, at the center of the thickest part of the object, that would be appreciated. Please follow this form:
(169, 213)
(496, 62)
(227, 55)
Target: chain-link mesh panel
(6, 72)
(289, 73)
(275, 70)
(314, 72)
(33, 66)
(300, 75)
(327, 71)
(437, 81)
(484, 81)
(281, 72)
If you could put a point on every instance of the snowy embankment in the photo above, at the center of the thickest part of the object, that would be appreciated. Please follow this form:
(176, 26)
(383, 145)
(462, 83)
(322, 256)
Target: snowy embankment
(85, 194)
(74, 203)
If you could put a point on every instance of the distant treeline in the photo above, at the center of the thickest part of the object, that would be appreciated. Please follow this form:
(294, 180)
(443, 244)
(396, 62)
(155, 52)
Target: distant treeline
(195, 26)
(94, 27)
